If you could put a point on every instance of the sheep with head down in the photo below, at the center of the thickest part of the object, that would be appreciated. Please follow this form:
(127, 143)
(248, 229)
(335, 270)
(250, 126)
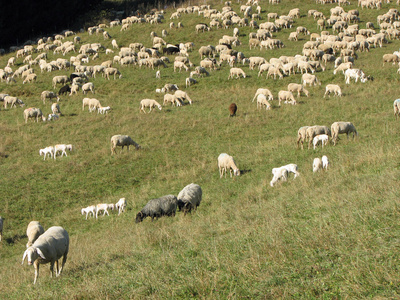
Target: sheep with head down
(340, 128)
(226, 162)
(189, 198)
(122, 140)
(156, 208)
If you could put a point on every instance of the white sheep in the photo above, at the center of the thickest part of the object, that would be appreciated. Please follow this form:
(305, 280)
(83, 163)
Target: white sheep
(287, 97)
(189, 81)
(33, 112)
(48, 248)
(105, 207)
(158, 74)
(62, 148)
(150, 103)
(52, 117)
(182, 95)
(396, 108)
(279, 174)
(48, 94)
(262, 101)
(103, 109)
(87, 210)
(122, 140)
(236, 72)
(325, 162)
(189, 197)
(333, 89)
(309, 79)
(48, 150)
(114, 44)
(33, 231)
(317, 164)
(120, 205)
(88, 87)
(323, 138)
(265, 92)
(225, 162)
(340, 128)
(55, 109)
(63, 79)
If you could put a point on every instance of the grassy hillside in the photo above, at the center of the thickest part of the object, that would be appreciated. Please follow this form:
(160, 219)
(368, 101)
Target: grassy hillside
(333, 234)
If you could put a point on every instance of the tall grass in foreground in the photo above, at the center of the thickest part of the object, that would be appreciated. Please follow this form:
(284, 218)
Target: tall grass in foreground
(334, 234)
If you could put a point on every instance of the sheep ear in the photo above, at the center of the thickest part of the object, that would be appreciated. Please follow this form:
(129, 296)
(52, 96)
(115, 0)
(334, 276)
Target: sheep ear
(40, 253)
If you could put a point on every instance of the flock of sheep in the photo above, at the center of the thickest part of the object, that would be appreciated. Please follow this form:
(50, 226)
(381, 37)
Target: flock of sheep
(49, 246)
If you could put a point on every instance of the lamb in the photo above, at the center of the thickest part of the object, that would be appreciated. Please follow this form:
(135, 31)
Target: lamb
(342, 127)
(1, 228)
(151, 103)
(122, 140)
(396, 108)
(88, 87)
(333, 89)
(312, 131)
(63, 79)
(33, 231)
(155, 208)
(325, 162)
(114, 44)
(182, 95)
(169, 98)
(33, 112)
(287, 97)
(317, 164)
(236, 72)
(105, 207)
(262, 101)
(50, 95)
(279, 174)
(120, 205)
(48, 248)
(232, 109)
(48, 150)
(189, 198)
(265, 92)
(323, 138)
(356, 74)
(62, 148)
(225, 162)
(55, 108)
(295, 87)
(103, 109)
(88, 210)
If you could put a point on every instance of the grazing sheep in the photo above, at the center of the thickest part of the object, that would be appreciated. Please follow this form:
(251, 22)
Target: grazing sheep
(50, 95)
(340, 128)
(63, 79)
(52, 117)
(155, 208)
(265, 92)
(33, 112)
(232, 109)
(30, 78)
(105, 207)
(225, 162)
(317, 164)
(333, 89)
(169, 87)
(312, 131)
(55, 109)
(33, 231)
(356, 74)
(88, 210)
(287, 97)
(48, 150)
(396, 108)
(112, 71)
(325, 162)
(236, 72)
(158, 74)
(122, 140)
(64, 90)
(302, 136)
(48, 248)
(1, 228)
(323, 138)
(120, 205)
(150, 103)
(279, 174)
(88, 87)
(189, 198)
(182, 95)
(309, 79)
(190, 80)
(62, 148)
(13, 101)
(262, 101)
(169, 98)
(295, 87)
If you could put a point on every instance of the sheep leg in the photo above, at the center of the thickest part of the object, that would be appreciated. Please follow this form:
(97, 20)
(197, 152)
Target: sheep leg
(56, 263)
(63, 263)
(36, 265)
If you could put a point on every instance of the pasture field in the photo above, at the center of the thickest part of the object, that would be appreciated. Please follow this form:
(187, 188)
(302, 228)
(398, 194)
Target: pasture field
(330, 235)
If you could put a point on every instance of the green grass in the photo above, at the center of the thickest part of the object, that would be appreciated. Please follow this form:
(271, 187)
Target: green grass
(334, 234)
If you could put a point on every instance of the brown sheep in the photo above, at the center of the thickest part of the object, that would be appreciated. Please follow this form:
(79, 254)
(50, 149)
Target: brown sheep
(232, 109)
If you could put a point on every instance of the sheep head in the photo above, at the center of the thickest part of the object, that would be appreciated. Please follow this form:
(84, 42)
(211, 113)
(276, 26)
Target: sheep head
(139, 217)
